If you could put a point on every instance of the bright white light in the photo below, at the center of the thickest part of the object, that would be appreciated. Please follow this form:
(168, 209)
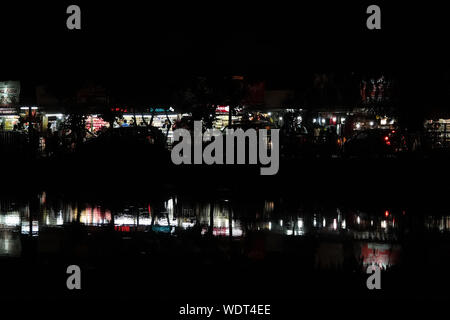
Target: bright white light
(281, 118)
(343, 119)
(383, 122)
(314, 120)
(334, 119)
(323, 120)
(358, 220)
(281, 223)
(300, 223)
(343, 224)
(371, 123)
(323, 222)
(10, 219)
(270, 225)
(334, 224)
(358, 125)
(59, 115)
(383, 224)
(270, 113)
(186, 225)
(299, 118)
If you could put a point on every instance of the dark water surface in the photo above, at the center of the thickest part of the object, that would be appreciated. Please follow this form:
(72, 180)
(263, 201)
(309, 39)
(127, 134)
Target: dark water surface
(178, 246)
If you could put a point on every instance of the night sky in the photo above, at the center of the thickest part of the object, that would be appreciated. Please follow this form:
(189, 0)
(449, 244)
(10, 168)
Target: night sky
(161, 44)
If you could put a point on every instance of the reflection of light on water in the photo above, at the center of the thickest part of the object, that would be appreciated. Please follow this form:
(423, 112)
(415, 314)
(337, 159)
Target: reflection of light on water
(10, 244)
(187, 225)
(10, 219)
(343, 224)
(270, 225)
(59, 218)
(300, 230)
(145, 221)
(94, 216)
(25, 228)
(358, 220)
(124, 220)
(314, 221)
(324, 223)
(281, 223)
(334, 224)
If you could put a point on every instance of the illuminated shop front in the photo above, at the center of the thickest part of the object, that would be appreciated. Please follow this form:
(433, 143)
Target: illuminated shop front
(222, 116)
(438, 132)
(160, 118)
(8, 122)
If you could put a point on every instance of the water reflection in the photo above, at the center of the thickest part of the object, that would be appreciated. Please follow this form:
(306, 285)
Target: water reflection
(374, 234)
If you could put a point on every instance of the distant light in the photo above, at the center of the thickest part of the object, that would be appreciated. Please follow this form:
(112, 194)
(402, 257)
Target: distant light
(386, 138)
(314, 120)
(358, 125)
(299, 118)
(281, 118)
(358, 220)
(281, 223)
(323, 120)
(371, 123)
(386, 213)
(334, 119)
(334, 224)
(343, 119)
(270, 113)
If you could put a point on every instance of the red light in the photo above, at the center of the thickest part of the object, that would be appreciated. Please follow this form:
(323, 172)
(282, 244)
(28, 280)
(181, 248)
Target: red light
(388, 143)
(386, 213)
(122, 228)
(117, 109)
(386, 138)
(393, 131)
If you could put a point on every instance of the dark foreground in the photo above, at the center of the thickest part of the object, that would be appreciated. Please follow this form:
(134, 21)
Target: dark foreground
(170, 235)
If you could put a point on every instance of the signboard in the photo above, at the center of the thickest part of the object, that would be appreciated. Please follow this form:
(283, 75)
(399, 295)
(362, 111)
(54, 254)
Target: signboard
(9, 93)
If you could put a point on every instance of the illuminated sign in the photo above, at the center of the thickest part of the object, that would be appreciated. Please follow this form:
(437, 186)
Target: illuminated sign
(9, 92)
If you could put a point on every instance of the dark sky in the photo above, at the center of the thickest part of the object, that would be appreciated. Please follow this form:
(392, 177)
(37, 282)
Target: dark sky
(150, 38)
(139, 43)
